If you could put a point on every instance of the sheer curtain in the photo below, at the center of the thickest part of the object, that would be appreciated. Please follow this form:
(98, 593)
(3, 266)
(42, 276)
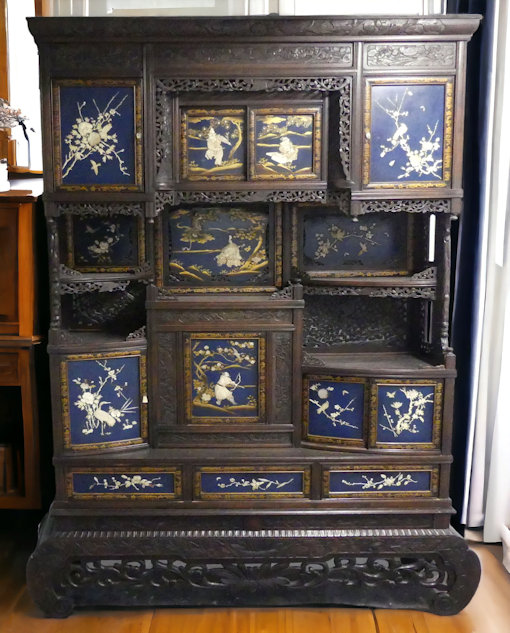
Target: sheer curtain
(487, 487)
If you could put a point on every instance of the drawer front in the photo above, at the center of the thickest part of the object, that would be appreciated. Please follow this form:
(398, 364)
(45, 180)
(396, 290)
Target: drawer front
(381, 481)
(251, 483)
(9, 373)
(124, 483)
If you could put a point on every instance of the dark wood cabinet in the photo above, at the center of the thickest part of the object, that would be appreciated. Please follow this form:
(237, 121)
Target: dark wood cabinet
(252, 384)
(19, 340)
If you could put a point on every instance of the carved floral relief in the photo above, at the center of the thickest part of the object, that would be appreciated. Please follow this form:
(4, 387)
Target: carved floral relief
(261, 482)
(395, 481)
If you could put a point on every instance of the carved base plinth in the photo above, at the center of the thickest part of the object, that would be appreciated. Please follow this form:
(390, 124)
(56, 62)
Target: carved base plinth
(430, 570)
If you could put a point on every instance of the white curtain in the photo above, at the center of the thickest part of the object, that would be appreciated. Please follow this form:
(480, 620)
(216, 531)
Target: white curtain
(487, 499)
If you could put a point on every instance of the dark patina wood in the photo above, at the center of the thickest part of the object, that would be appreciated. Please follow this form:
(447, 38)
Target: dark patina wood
(265, 507)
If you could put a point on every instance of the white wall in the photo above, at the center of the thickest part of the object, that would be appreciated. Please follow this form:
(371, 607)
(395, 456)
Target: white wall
(24, 81)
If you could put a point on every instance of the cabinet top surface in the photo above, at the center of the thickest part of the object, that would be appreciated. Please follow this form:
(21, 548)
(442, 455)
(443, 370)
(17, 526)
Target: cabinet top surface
(268, 27)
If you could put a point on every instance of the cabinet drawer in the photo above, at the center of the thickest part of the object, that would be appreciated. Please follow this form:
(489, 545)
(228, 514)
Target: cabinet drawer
(9, 373)
(258, 482)
(124, 483)
(381, 481)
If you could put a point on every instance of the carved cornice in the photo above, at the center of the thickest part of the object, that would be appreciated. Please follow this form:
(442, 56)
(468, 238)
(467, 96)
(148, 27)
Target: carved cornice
(148, 29)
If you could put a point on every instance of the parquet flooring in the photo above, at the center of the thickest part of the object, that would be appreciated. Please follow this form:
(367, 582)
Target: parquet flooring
(488, 612)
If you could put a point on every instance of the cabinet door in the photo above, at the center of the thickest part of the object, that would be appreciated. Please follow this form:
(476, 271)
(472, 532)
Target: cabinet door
(8, 268)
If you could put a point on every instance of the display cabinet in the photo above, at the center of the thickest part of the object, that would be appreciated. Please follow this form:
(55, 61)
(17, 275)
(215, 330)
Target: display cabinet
(252, 383)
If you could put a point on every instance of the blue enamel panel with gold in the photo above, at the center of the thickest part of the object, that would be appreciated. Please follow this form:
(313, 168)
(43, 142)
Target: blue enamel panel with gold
(405, 413)
(336, 409)
(285, 143)
(371, 482)
(97, 134)
(341, 244)
(213, 144)
(211, 246)
(99, 243)
(118, 483)
(102, 401)
(224, 377)
(224, 483)
(407, 132)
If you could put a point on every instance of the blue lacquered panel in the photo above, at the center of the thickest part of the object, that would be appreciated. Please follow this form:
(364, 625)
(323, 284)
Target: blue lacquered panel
(218, 246)
(255, 483)
(409, 133)
(334, 409)
(101, 400)
(148, 483)
(213, 144)
(98, 134)
(387, 481)
(224, 377)
(407, 414)
(334, 245)
(102, 244)
(285, 143)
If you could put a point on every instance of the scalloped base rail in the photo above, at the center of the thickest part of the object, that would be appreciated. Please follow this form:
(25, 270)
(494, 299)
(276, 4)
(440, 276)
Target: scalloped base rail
(430, 570)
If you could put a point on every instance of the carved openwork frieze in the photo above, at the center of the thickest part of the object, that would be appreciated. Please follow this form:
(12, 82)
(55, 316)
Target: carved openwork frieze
(433, 205)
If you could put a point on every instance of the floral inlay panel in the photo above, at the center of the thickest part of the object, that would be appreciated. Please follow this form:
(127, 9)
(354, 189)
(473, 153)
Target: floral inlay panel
(246, 483)
(147, 483)
(101, 400)
(407, 413)
(105, 244)
(335, 245)
(213, 144)
(219, 246)
(334, 409)
(408, 132)
(389, 481)
(285, 143)
(97, 134)
(224, 377)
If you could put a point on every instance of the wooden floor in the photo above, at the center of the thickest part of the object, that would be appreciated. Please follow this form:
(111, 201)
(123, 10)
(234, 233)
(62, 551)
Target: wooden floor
(488, 612)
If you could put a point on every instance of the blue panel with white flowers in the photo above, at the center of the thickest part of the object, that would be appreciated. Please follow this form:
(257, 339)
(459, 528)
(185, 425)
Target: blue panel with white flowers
(97, 128)
(407, 133)
(359, 482)
(108, 483)
(252, 483)
(333, 242)
(104, 242)
(405, 413)
(104, 400)
(336, 409)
